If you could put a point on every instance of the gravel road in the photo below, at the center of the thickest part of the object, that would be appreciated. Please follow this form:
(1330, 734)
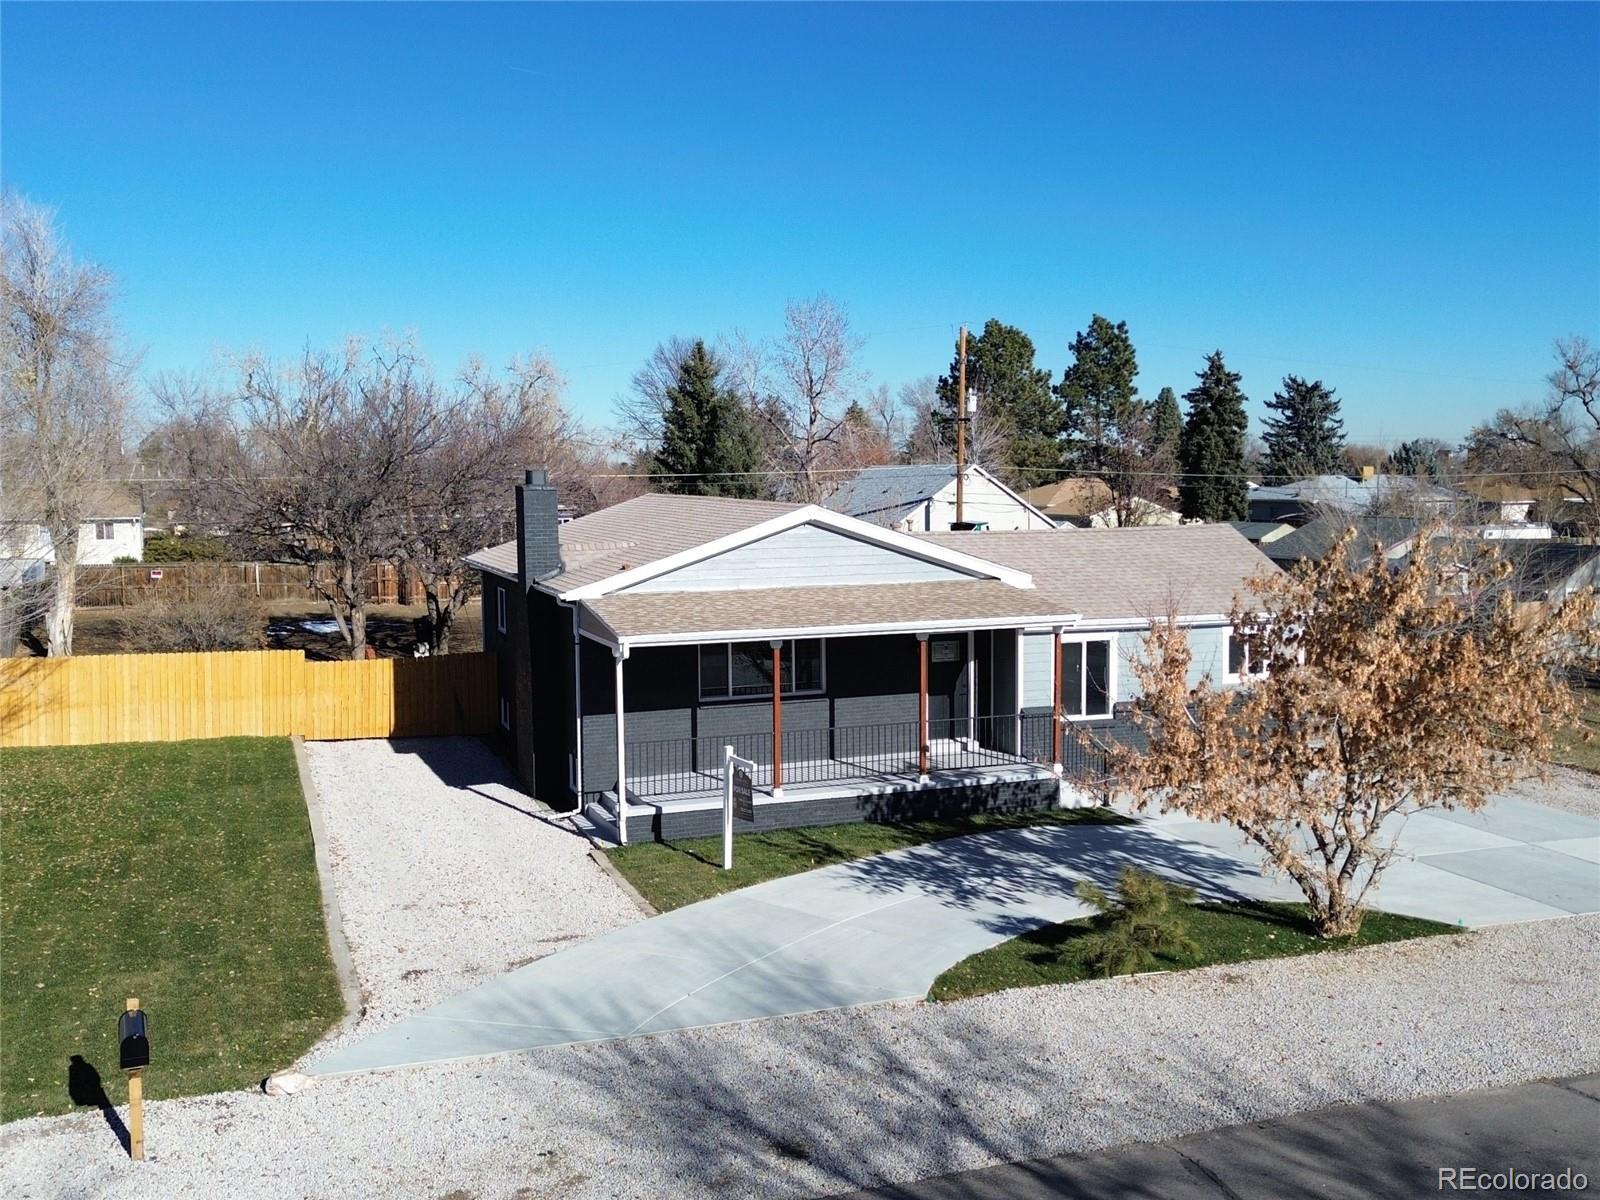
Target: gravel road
(809, 1105)
(448, 874)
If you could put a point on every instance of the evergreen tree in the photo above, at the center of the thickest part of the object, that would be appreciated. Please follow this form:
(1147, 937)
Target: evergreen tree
(1014, 396)
(708, 446)
(1306, 437)
(1100, 404)
(1211, 451)
(1166, 422)
(1419, 458)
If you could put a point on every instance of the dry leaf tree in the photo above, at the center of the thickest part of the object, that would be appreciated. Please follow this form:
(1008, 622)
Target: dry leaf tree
(1386, 691)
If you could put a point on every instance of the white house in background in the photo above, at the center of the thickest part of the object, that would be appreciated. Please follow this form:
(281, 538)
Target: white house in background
(116, 532)
(922, 499)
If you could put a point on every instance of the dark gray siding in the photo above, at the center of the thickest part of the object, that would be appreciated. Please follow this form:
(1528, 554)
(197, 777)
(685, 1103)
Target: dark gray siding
(871, 681)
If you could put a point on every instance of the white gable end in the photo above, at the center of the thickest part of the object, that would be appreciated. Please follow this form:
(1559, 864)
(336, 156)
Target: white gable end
(803, 556)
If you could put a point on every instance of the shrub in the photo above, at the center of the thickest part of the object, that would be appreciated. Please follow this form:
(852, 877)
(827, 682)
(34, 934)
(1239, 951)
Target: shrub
(1145, 918)
(124, 560)
(216, 616)
(168, 547)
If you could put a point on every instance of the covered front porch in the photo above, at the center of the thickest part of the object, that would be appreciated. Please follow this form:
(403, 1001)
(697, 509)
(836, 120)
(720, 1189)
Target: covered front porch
(869, 726)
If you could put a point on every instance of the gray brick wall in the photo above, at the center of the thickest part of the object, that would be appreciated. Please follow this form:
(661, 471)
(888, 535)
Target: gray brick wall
(909, 804)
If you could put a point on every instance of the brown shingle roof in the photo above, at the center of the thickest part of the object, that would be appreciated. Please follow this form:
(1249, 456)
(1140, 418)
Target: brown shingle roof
(1100, 574)
(1107, 574)
(789, 610)
(635, 532)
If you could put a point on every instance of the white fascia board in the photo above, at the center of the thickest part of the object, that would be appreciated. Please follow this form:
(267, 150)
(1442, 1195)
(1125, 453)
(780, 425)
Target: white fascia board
(811, 514)
(964, 625)
(1114, 624)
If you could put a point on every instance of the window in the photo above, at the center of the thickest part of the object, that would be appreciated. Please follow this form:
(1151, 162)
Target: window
(1086, 678)
(1239, 664)
(736, 670)
(500, 609)
(104, 531)
(505, 713)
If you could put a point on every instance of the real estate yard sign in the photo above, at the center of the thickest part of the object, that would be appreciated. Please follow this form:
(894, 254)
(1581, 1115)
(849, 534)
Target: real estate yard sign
(738, 798)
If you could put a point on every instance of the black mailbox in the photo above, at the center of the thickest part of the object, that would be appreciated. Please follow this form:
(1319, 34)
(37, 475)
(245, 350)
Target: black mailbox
(135, 1040)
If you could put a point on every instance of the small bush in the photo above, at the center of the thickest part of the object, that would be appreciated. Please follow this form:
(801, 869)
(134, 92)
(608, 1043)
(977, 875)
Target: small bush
(124, 560)
(215, 617)
(167, 547)
(1145, 918)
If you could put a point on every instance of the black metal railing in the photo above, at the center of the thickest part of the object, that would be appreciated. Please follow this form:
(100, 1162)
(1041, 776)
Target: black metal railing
(882, 751)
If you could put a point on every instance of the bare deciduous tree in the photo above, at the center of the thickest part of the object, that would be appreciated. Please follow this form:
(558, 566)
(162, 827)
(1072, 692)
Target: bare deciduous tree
(1555, 444)
(65, 400)
(1387, 692)
(815, 377)
(460, 500)
(320, 459)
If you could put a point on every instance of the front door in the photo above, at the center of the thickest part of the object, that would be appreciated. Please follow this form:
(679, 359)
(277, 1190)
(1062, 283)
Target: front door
(947, 686)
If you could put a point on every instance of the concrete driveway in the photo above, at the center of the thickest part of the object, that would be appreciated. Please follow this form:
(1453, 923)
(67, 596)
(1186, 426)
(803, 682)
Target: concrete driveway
(883, 928)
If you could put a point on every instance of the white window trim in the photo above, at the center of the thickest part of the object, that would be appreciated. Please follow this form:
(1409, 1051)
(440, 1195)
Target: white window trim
(1083, 676)
(1230, 676)
(110, 534)
(730, 698)
(500, 607)
(505, 714)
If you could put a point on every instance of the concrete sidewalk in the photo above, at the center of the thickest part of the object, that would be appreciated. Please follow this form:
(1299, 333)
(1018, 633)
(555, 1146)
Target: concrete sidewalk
(883, 928)
(1354, 1152)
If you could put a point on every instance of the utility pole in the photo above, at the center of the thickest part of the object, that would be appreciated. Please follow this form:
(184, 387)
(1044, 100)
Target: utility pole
(961, 432)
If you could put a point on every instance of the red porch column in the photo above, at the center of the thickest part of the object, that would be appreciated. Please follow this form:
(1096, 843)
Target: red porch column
(922, 707)
(777, 720)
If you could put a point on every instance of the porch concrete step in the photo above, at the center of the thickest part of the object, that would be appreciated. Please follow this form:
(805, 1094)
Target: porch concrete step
(601, 821)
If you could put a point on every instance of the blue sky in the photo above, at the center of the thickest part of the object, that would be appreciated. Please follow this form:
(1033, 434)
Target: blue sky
(1401, 200)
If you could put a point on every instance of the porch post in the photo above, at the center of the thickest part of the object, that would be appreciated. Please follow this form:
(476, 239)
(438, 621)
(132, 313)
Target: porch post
(922, 708)
(1058, 716)
(972, 689)
(777, 719)
(619, 654)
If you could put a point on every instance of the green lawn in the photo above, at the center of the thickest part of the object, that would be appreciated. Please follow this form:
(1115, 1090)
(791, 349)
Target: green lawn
(1225, 933)
(672, 874)
(1570, 748)
(178, 872)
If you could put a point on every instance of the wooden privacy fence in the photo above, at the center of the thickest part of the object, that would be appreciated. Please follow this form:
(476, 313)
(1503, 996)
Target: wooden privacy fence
(130, 583)
(171, 697)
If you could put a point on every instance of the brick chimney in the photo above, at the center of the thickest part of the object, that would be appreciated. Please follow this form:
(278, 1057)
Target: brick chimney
(538, 545)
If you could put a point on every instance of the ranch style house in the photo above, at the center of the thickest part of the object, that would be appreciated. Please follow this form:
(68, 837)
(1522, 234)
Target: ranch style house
(870, 673)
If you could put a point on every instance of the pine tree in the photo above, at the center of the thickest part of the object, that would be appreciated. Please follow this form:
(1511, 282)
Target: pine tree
(1211, 452)
(1166, 422)
(1418, 458)
(1015, 397)
(1307, 436)
(1100, 404)
(708, 447)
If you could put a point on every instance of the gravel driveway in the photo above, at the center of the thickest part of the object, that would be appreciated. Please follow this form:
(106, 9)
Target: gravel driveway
(814, 1104)
(446, 873)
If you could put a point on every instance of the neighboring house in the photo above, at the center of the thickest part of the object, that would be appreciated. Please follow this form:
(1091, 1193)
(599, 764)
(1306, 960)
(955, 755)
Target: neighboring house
(1304, 500)
(919, 499)
(1499, 502)
(894, 674)
(1549, 572)
(1390, 536)
(1086, 503)
(1261, 533)
(115, 531)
